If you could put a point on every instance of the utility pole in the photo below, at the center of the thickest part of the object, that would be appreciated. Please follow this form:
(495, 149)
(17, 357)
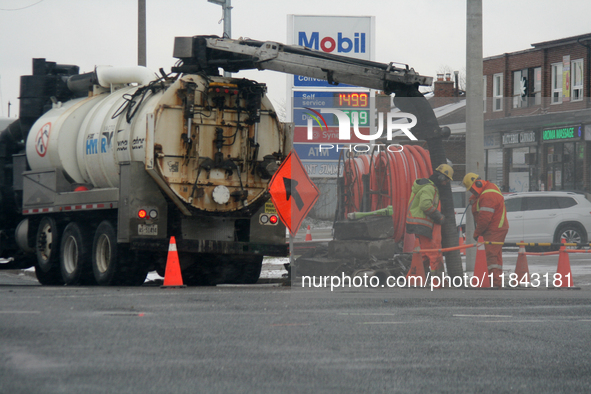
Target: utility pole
(474, 109)
(141, 33)
(227, 8)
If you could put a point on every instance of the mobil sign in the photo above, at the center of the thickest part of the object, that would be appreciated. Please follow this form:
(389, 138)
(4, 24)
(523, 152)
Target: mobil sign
(351, 36)
(341, 44)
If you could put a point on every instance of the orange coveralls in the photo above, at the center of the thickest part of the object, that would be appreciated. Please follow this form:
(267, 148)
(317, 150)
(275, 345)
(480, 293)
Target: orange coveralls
(490, 216)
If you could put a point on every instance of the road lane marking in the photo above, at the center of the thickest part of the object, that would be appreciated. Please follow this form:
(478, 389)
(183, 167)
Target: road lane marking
(391, 322)
(366, 314)
(22, 312)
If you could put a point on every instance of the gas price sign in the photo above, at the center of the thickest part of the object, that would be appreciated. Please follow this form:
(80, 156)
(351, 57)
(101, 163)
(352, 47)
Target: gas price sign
(351, 100)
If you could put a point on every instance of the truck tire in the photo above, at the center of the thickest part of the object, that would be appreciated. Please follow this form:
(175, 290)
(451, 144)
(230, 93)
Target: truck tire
(197, 269)
(47, 267)
(252, 269)
(112, 263)
(75, 251)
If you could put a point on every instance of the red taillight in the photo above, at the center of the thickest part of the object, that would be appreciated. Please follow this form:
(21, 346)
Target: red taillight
(273, 219)
(142, 214)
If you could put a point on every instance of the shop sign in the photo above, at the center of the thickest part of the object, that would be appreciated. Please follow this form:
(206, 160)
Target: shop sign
(519, 138)
(561, 133)
(511, 138)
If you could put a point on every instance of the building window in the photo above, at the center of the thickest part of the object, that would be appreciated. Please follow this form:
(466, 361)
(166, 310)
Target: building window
(557, 83)
(520, 82)
(577, 80)
(484, 91)
(537, 86)
(497, 92)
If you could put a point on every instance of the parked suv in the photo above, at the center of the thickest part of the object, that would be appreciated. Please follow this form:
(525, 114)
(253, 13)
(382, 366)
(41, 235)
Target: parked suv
(548, 217)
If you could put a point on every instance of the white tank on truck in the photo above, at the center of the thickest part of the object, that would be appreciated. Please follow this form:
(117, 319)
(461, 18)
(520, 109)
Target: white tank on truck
(88, 138)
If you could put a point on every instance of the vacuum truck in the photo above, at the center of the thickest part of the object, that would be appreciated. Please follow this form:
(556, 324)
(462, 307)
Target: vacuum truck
(102, 168)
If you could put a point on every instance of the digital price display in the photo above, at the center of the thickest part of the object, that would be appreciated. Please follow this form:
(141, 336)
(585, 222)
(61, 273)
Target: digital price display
(362, 117)
(351, 100)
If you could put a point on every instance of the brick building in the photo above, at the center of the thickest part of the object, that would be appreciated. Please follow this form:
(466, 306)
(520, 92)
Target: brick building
(537, 116)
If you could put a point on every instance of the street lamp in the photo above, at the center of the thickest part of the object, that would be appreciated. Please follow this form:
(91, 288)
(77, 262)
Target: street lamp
(227, 7)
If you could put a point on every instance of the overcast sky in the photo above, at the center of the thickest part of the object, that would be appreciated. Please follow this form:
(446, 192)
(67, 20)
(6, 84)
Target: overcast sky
(426, 34)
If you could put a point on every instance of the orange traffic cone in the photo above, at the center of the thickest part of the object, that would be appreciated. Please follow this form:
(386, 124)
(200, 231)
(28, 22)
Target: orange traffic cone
(563, 269)
(409, 243)
(521, 268)
(461, 241)
(172, 275)
(308, 234)
(416, 266)
(480, 266)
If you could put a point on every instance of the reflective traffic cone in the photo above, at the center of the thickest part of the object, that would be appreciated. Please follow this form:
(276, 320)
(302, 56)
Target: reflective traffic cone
(416, 266)
(172, 275)
(565, 278)
(480, 266)
(521, 268)
(308, 234)
(461, 241)
(409, 243)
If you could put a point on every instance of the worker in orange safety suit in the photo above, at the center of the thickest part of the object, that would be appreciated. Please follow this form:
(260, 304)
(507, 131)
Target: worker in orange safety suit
(424, 219)
(490, 217)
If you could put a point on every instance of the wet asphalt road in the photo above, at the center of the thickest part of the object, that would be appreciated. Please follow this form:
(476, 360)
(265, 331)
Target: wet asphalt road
(266, 339)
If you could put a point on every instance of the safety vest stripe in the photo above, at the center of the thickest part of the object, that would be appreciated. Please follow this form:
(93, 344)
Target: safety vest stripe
(502, 221)
(431, 210)
(413, 220)
(487, 209)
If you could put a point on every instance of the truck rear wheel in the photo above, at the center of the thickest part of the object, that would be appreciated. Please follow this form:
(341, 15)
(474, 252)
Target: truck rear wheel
(75, 250)
(47, 267)
(252, 269)
(114, 264)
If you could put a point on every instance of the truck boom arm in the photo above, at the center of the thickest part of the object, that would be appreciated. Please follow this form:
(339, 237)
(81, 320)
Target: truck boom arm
(235, 55)
(208, 53)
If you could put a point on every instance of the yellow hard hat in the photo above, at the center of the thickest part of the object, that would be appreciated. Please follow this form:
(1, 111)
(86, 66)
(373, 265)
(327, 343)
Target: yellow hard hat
(469, 180)
(446, 170)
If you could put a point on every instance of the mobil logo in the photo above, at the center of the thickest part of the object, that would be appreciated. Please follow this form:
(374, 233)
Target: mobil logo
(340, 43)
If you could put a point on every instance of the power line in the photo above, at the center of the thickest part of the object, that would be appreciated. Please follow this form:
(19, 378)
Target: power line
(22, 8)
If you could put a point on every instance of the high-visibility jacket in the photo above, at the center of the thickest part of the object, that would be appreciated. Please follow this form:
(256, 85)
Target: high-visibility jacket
(489, 211)
(422, 208)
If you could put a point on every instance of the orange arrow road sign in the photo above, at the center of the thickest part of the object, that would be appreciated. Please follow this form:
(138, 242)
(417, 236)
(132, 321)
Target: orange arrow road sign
(293, 192)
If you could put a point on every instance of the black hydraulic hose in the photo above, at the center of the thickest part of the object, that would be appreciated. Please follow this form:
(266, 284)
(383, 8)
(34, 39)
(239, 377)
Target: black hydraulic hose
(464, 214)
